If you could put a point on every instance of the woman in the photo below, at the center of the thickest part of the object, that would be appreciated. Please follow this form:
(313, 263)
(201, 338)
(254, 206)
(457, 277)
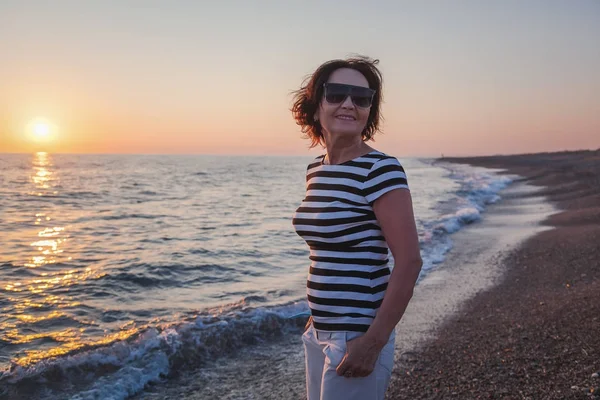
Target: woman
(357, 205)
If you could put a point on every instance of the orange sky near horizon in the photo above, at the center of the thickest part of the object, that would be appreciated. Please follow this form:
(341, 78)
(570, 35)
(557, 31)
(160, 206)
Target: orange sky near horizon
(151, 77)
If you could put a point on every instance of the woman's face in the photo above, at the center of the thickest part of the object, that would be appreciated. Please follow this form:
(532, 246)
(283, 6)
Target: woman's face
(345, 118)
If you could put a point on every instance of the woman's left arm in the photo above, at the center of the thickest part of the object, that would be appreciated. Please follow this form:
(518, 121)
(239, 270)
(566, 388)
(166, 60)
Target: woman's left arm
(395, 215)
(394, 212)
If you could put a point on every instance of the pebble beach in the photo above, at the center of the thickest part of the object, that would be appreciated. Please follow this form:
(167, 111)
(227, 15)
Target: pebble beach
(535, 333)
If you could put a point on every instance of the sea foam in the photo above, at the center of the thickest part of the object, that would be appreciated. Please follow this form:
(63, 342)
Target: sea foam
(123, 368)
(477, 189)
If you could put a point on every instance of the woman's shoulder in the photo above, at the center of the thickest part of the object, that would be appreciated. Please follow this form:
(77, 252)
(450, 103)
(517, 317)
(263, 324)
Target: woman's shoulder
(315, 162)
(379, 157)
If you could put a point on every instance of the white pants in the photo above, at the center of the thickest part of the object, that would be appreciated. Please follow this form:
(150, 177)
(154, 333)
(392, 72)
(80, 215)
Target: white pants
(324, 351)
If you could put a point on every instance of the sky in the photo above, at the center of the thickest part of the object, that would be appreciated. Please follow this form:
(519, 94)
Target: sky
(204, 77)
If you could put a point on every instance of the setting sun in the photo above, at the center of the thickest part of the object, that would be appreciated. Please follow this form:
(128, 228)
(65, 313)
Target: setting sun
(40, 130)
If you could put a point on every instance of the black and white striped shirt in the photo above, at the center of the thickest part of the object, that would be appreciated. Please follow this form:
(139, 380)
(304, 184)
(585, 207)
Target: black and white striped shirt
(349, 272)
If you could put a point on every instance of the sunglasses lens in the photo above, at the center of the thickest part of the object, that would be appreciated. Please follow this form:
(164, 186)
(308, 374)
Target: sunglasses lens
(335, 98)
(361, 101)
(336, 93)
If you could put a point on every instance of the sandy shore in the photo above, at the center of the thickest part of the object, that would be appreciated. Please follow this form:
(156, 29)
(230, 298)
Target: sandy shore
(536, 334)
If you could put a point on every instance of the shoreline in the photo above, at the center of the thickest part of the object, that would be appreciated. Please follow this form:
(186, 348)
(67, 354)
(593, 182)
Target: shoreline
(472, 266)
(533, 335)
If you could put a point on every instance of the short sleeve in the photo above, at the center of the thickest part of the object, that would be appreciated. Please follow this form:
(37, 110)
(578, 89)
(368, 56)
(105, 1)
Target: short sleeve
(385, 175)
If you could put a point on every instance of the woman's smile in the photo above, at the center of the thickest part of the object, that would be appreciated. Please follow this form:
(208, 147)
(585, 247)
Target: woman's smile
(345, 117)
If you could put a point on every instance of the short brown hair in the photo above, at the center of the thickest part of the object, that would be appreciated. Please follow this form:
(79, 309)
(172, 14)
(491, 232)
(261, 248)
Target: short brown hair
(308, 98)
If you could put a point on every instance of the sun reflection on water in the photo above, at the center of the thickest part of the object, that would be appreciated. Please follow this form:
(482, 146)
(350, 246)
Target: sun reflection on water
(37, 315)
(62, 279)
(45, 181)
(46, 302)
(71, 341)
(43, 177)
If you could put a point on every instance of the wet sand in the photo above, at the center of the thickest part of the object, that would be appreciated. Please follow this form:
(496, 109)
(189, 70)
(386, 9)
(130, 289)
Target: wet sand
(536, 333)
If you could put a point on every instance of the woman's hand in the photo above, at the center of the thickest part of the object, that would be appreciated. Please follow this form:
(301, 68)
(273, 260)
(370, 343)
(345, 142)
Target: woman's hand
(361, 356)
(308, 323)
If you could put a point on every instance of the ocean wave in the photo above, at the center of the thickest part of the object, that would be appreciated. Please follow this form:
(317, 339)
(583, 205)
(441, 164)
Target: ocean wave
(123, 368)
(477, 189)
(140, 279)
(56, 193)
(52, 321)
(9, 269)
(148, 276)
(118, 217)
(453, 222)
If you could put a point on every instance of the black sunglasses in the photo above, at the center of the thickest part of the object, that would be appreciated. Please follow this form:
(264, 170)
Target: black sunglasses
(336, 93)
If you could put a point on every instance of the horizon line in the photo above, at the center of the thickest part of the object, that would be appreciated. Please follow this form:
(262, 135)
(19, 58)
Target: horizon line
(441, 156)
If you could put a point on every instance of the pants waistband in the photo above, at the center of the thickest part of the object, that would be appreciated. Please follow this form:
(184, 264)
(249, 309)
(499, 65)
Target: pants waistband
(335, 335)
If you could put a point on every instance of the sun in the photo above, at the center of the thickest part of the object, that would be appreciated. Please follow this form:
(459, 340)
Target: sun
(40, 130)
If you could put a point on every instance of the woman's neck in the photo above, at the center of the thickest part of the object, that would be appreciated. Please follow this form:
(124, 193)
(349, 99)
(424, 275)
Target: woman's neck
(341, 152)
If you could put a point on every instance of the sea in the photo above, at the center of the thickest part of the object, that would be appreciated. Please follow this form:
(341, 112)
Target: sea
(122, 271)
